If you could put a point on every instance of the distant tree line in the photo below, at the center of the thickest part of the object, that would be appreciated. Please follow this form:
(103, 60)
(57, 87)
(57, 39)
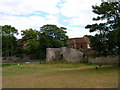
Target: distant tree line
(34, 42)
(106, 42)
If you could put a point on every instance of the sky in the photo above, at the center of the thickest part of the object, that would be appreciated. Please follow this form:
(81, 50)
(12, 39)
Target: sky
(72, 14)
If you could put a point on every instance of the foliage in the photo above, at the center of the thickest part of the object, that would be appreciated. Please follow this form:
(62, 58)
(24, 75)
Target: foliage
(19, 52)
(8, 40)
(30, 41)
(34, 43)
(49, 36)
(56, 34)
(106, 42)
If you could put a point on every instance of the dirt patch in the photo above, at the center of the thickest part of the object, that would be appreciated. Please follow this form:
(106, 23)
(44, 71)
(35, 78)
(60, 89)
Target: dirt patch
(85, 67)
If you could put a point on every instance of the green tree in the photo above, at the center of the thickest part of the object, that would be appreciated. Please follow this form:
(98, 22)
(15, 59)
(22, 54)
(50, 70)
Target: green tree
(107, 41)
(45, 42)
(49, 36)
(30, 40)
(56, 34)
(8, 40)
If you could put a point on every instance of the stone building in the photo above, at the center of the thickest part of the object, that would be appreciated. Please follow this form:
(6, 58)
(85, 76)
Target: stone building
(78, 43)
(64, 53)
(74, 55)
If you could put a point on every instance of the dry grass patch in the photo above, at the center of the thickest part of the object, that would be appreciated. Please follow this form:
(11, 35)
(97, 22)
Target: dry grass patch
(60, 76)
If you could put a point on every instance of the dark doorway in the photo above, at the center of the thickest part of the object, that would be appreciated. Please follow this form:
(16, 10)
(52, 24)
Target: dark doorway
(83, 56)
(81, 46)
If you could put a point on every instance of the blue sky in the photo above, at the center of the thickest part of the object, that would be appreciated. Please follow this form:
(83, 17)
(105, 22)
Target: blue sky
(25, 14)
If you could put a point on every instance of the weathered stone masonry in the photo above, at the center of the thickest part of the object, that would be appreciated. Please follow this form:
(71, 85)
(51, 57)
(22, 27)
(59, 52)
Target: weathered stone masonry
(67, 54)
(73, 55)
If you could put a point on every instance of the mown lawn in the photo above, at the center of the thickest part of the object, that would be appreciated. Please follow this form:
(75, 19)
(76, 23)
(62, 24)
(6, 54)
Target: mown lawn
(59, 75)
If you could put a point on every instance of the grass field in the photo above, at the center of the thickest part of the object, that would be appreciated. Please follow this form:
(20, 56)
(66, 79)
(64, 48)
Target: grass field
(65, 75)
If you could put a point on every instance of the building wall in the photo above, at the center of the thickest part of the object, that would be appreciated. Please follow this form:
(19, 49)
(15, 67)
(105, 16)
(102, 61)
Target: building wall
(73, 55)
(104, 60)
(19, 42)
(81, 45)
(52, 53)
(79, 42)
(67, 54)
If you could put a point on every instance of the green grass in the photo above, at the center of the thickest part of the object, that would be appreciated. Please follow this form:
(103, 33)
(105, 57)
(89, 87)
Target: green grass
(59, 75)
(7, 65)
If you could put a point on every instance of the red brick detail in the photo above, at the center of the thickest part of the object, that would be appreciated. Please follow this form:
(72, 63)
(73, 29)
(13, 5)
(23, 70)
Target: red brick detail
(19, 42)
(79, 42)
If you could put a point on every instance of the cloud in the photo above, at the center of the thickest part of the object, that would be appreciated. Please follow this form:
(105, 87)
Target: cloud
(24, 14)
(17, 7)
(23, 23)
(79, 10)
(78, 32)
(74, 8)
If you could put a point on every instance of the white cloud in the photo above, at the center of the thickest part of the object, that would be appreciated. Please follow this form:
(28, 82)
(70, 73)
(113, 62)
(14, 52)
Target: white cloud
(73, 8)
(28, 6)
(80, 12)
(51, 19)
(22, 23)
(78, 32)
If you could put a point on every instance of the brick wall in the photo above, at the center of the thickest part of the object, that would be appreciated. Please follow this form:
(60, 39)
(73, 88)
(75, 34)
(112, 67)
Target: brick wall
(79, 42)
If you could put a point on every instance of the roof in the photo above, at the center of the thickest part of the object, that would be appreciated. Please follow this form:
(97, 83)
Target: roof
(78, 37)
(79, 40)
(19, 42)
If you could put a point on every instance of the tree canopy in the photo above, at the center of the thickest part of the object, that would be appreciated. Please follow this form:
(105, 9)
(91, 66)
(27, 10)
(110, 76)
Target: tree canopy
(106, 42)
(57, 35)
(30, 38)
(8, 40)
(49, 36)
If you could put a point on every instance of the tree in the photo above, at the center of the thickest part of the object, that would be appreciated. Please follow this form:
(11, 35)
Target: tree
(8, 40)
(107, 41)
(30, 41)
(56, 34)
(45, 42)
(49, 36)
